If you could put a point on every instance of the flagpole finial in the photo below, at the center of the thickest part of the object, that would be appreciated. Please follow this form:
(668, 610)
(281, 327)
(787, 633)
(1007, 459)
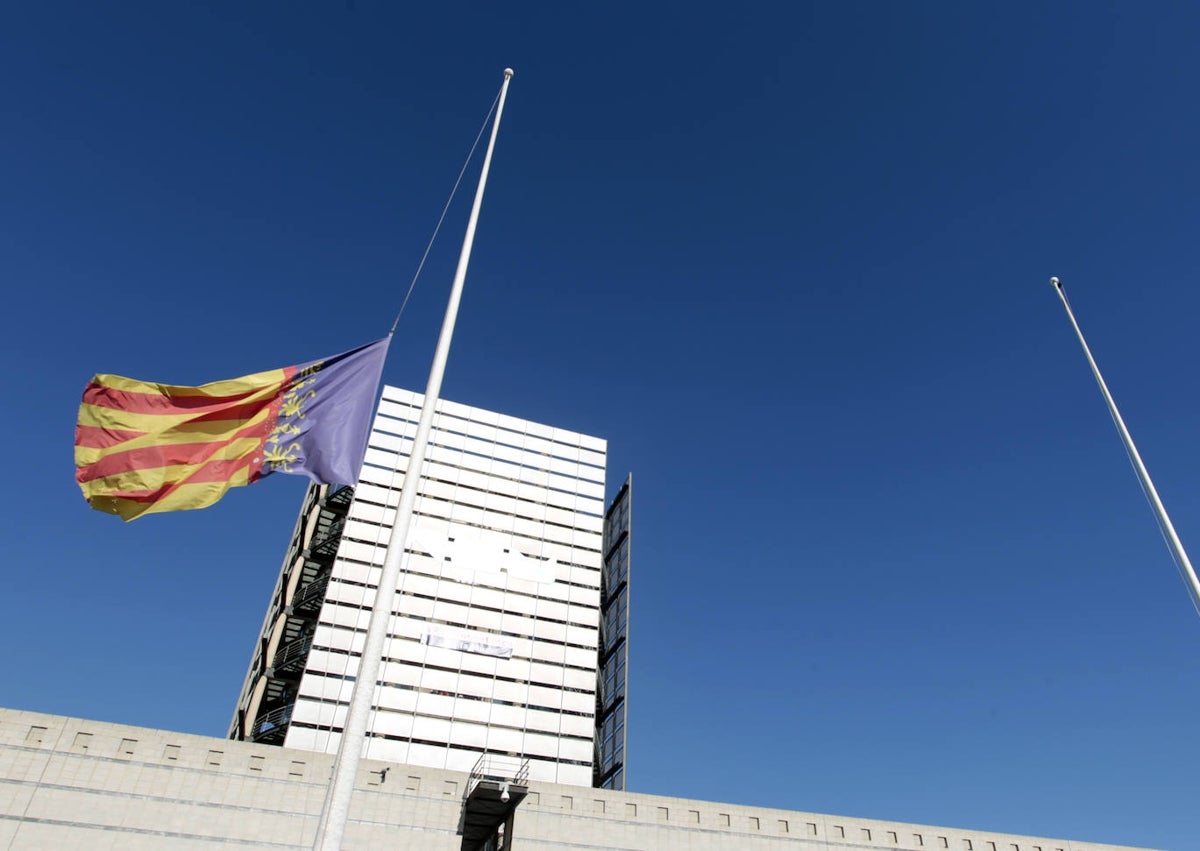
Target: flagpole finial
(1054, 282)
(508, 72)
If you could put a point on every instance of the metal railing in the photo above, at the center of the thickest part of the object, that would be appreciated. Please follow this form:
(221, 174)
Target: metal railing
(271, 722)
(313, 591)
(289, 654)
(499, 768)
(325, 539)
(339, 497)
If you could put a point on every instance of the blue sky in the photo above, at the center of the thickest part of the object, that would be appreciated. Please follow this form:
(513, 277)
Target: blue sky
(791, 260)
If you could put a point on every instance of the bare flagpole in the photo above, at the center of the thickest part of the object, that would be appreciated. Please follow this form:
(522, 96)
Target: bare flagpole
(1181, 557)
(345, 766)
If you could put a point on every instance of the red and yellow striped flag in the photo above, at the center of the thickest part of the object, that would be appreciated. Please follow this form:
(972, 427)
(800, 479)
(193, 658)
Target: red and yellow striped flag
(142, 447)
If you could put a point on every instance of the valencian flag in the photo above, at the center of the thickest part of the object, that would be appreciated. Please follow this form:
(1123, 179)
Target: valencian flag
(142, 447)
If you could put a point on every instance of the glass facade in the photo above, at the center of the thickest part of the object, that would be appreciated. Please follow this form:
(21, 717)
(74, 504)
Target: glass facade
(612, 672)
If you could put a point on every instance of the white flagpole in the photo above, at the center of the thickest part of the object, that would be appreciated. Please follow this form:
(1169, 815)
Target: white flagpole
(1168, 529)
(345, 766)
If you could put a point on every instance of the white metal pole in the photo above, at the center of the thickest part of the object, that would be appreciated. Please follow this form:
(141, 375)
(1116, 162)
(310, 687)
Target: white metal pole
(1181, 557)
(345, 767)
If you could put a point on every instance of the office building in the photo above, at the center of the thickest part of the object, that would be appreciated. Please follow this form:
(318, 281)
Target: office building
(510, 621)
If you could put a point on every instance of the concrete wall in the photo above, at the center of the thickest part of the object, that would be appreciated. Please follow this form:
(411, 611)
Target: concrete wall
(67, 783)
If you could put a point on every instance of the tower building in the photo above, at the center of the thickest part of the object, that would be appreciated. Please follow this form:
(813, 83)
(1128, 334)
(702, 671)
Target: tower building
(509, 628)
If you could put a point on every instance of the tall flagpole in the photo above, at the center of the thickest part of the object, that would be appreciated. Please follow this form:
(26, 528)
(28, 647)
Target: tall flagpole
(1181, 557)
(345, 767)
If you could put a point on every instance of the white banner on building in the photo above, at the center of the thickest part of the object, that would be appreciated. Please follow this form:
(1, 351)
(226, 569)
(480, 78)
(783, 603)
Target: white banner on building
(469, 642)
